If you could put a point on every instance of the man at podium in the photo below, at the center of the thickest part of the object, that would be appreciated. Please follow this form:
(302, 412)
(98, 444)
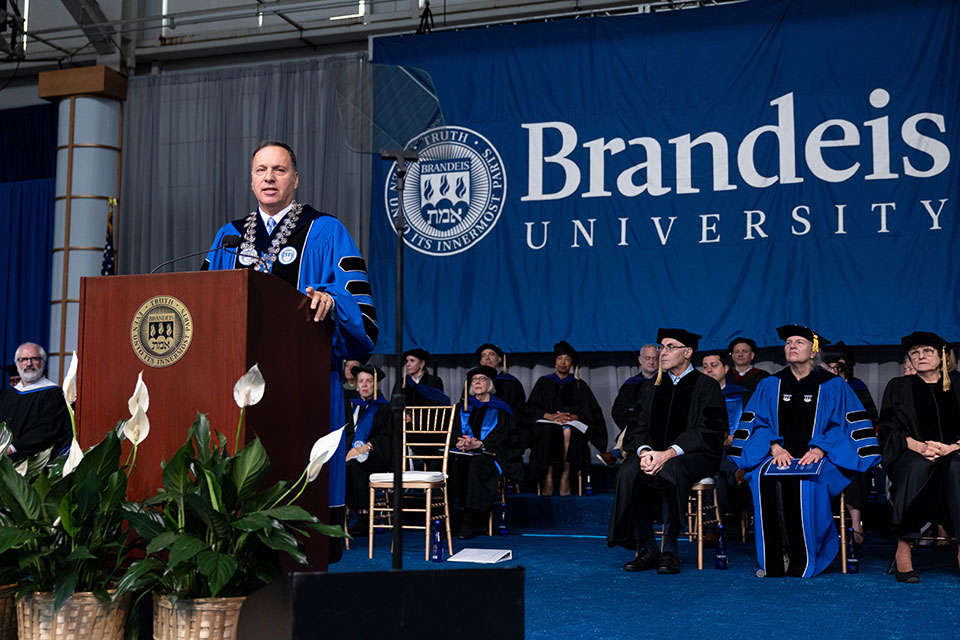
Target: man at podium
(313, 252)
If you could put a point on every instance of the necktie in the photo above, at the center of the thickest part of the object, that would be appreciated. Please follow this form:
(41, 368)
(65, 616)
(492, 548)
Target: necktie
(271, 225)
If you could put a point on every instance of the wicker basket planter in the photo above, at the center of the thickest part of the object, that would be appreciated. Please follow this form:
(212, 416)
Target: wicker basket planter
(8, 612)
(83, 617)
(201, 619)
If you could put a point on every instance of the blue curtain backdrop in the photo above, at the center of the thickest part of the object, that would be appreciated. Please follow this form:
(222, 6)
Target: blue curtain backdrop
(728, 170)
(28, 137)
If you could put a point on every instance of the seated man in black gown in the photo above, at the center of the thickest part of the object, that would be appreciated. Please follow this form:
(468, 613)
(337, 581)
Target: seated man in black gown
(563, 415)
(920, 438)
(35, 409)
(674, 440)
(371, 442)
(478, 444)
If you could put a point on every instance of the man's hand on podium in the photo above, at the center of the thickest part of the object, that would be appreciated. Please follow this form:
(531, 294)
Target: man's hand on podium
(321, 301)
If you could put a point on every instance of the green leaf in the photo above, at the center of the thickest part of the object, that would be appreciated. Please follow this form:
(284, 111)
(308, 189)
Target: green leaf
(289, 512)
(282, 541)
(215, 521)
(147, 523)
(66, 511)
(253, 522)
(138, 576)
(161, 542)
(13, 537)
(80, 553)
(176, 476)
(63, 589)
(213, 491)
(218, 568)
(102, 459)
(201, 433)
(184, 548)
(36, 463)
(17, 495)
(249, 467)
(329, 530)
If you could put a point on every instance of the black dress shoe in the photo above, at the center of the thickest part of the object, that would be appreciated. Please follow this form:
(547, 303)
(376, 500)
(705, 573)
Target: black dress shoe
(644, 561)
(908, 577)
(669, 563)
(465, 533)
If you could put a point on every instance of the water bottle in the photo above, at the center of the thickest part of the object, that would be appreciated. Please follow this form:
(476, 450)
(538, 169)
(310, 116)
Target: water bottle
(502, 526)
(589, 486)
(436, 550)
(720, 559)
(853, 561)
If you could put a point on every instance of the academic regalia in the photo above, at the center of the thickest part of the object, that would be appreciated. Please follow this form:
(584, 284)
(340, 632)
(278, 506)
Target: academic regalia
(627, 401)
(920, 489)
(858, 490)
(319, 253)
(37, 418)
(552, 394)
(475, 476)
(734, 398)
(820, 410)
(426, 393)
(371, 421)
(748, 380)
(689, 414)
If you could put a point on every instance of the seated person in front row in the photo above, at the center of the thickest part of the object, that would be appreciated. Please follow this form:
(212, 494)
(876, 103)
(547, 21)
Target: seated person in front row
(804, 414)
(478, 443)
(674, 440)
(920, 436)
(511, 391)
(371, 442)
(563, 415)
(35, 409)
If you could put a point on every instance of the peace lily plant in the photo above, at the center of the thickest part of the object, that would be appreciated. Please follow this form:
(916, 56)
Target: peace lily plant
(213, 530)
(65, 520)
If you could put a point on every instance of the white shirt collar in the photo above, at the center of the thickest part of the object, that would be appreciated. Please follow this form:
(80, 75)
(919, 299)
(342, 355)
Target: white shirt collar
(676, 379)
(744, 371)
(264, 216)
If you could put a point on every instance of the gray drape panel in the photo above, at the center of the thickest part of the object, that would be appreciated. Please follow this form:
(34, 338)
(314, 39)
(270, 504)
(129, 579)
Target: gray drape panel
(188, 139)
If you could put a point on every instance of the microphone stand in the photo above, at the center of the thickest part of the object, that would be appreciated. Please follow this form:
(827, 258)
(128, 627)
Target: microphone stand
(229, 242)
(397, 403)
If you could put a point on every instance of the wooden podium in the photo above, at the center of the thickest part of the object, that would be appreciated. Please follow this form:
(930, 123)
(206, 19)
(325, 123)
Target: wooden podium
(233, 320)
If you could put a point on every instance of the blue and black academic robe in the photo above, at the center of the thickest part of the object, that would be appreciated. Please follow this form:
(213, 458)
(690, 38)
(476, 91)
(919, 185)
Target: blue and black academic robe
(921, 489)
(748, 380)
(38, 420)
(689, 414)
(426, 393)
(510, 390)
(858, 491)
(370, 422)
(552, 394)
(475, 475)
(734, 398)
(821, 410)
(321, 254)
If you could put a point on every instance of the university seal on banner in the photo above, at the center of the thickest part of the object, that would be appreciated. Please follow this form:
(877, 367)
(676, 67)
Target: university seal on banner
(161, 331)
(453, 196)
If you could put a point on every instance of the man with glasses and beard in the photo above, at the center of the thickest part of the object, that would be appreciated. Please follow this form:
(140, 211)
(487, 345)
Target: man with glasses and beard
(35, 409)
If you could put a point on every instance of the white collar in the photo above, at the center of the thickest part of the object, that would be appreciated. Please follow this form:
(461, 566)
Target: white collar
(264, 216)
(40, 383)
(676, 379)
(744, 372)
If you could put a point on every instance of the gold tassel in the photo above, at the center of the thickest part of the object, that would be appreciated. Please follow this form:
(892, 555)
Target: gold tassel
(374, 383)
(504, 363)
(659, 373)
(943, 368)
(576, 372)
(465, 394)
(403, 372)
(816, 342)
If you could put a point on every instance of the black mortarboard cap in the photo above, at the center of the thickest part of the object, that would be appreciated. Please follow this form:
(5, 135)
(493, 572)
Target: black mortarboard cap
(682, 336)
(492, 347)
(490, 372)
(747, 341)
(922, 339)
(563, 348)
(789, 330)
(418, 353)
(368, 368)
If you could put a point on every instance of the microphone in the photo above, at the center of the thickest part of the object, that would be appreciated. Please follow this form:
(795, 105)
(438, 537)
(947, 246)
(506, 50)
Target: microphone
(228, 242)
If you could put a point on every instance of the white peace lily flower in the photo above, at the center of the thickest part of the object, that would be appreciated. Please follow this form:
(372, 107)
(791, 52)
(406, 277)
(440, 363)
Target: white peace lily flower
(137, 428)
(6, 437)
(323, 449)
(22, 467)
(249, 388)
(73, 458)
(70, 380)
(140, 397)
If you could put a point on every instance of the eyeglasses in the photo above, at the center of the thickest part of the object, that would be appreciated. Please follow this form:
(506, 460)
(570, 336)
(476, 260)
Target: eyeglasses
(29, 359)
(670, 347)
(927, 351)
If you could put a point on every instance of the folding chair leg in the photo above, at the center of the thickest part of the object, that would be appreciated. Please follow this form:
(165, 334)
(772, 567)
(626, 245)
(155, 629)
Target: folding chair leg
(700, 529)
(429, 527)
(446, 517)
(843, 533)
(373, 493)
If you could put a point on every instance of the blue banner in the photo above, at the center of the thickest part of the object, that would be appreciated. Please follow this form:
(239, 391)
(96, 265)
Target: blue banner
(726, 170)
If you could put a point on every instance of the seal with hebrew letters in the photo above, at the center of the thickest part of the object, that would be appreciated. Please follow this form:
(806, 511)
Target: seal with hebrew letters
(161, 331)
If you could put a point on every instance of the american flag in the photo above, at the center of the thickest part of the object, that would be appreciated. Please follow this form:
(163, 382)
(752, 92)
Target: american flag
(109, 265)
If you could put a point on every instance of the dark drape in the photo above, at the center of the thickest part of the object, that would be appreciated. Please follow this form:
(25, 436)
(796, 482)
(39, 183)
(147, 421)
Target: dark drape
(28, 137)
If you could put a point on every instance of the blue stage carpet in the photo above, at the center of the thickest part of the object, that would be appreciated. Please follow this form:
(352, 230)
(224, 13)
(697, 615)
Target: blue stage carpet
(575, 588)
